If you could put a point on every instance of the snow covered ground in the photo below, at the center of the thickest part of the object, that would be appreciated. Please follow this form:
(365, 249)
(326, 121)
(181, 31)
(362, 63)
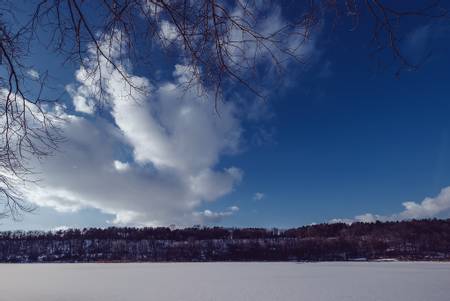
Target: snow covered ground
(380, 281)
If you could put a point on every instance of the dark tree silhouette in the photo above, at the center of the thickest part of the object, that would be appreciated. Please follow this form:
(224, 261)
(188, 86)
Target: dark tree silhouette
(406, 240)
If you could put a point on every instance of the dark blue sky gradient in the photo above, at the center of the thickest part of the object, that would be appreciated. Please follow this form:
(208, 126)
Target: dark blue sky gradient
(347, 138)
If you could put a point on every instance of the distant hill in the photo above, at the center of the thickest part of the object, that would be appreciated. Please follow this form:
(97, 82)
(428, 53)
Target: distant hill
(406, 240)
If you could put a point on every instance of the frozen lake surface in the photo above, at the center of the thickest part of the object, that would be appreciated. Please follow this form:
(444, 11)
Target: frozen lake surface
(394, 281)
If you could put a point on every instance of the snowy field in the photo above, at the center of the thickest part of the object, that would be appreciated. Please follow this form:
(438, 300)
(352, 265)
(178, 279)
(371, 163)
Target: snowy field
(226, 281)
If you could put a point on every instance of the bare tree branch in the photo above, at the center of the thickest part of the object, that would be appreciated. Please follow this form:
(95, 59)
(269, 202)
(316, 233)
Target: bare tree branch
(221, 43)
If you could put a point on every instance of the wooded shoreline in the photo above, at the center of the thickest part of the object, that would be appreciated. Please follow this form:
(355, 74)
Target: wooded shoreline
(416, 240)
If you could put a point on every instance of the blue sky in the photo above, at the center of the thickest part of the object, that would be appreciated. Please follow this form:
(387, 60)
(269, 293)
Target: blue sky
(336, 140)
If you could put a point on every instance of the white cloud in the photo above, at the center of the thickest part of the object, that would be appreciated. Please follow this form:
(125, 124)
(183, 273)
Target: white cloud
(81, 99)
(121, 166)
(258, 196)
(280, 40)
(153, 163)
(154, 160)
(33, 74)
(60, 228)
(208, 216)
(428, 208)
(168, 31)
(234, 208)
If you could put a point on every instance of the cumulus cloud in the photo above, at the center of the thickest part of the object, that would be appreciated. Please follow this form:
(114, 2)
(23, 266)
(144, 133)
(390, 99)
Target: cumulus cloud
(154, 162)
(81, 99)
(427, 208)
(154, 158)
(208, 216)
(258, 196)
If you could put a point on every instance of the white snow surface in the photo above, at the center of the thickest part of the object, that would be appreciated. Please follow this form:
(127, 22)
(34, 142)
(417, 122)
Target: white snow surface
(368, 281)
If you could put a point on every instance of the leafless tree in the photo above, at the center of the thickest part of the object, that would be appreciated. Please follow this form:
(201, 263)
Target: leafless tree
(220, 42)
(25, 128)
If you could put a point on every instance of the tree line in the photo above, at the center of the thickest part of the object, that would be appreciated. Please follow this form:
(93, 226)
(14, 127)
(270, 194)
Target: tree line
(405, 240)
